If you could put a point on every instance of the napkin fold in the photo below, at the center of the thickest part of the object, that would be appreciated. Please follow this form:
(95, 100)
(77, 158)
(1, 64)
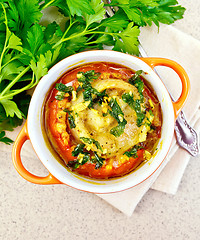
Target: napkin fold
(176, 45)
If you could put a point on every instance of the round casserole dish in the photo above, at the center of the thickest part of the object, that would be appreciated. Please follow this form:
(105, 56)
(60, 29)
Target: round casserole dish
(34, 127)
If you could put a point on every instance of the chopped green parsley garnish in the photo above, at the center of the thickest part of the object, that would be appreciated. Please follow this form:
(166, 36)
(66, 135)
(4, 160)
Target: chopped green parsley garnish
(136, 105)
(78, 162)
(89, 93)
(133, 151)
(91, 141)
(70, 118)
(84, 156)
(78, 149)
(98, 160)
(117, 113)
(62, 90)
(138, 83)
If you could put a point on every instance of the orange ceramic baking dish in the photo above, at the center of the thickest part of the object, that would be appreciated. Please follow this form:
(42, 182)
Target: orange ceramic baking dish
(33, 129)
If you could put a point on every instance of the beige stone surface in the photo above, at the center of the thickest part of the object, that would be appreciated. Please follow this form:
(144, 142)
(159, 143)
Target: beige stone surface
(29, 211)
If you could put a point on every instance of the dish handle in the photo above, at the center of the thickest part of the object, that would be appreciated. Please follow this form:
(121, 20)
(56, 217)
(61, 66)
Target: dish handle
(178, 105)
(16, 157)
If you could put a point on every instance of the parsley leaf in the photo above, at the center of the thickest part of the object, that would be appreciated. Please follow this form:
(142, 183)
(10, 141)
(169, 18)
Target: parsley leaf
(11, 108)
(22, 14)
(166, 12)
(138, 83)
(13, 41)
(117, 113)
(11, 70)
(9, 123)
(78, 162)
(62, 90)
(36, 42)
(98, 160)
(136, 75)
(83, 156)
(73, 164)
(146, 12)
(4, 139)
(118, 22)
(119, 129)
(70, 118)
(39, 68)
(78, 149)
(79, 7)
(133, 151)
(87, 140)
(136, 105)
(85, 78)
(99, 12)
(127, 40)
(91, 141)
(52, 33)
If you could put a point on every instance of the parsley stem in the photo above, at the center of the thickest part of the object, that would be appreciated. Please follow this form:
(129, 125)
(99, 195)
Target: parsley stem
(74, 36)
(57, 44)
(12, 59)
(2, 54)
(17, 91)
(43, 6)
(71, 37)
(14, 81)
(84, 33)
(99, 32)
(93, 29)
(6, 40)
(90, 43)
(67, 30)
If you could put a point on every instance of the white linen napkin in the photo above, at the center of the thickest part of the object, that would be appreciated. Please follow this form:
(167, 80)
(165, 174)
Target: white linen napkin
(173, 44)
(176, 45)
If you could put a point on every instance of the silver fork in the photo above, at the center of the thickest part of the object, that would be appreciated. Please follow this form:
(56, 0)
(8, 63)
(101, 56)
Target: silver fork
(186, 136)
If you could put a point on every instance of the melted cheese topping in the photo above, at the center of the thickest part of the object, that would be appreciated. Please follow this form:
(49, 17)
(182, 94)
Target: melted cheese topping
(92, 123)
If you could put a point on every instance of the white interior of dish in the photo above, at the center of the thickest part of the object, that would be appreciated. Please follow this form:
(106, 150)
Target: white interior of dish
(35, 123)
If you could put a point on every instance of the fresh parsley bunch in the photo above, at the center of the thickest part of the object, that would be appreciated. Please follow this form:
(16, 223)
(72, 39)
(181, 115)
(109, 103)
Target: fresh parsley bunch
(28, 48)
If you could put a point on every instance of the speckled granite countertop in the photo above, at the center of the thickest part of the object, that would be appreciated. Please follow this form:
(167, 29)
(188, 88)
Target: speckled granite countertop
(29, 211)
